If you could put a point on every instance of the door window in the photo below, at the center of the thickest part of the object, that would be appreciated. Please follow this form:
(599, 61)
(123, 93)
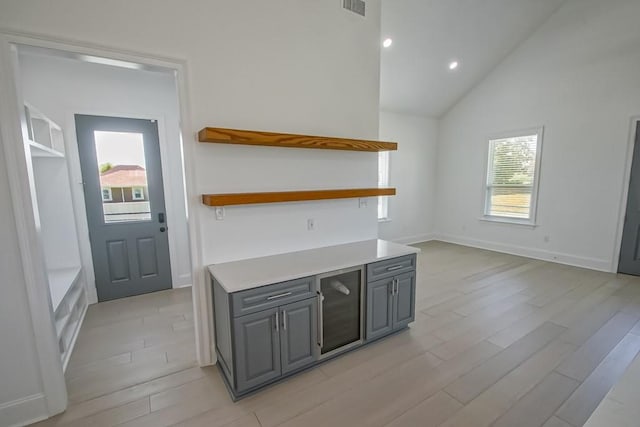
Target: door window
(123, 176)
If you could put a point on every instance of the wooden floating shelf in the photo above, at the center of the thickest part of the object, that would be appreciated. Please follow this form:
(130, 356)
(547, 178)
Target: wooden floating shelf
(272, 139)
(292, 196)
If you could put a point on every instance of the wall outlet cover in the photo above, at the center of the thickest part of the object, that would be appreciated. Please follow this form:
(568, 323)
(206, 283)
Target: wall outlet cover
(219, 213)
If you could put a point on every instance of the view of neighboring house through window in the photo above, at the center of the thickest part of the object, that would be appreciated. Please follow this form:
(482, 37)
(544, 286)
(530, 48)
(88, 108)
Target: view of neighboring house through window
(383, 181)
(123, 176)
(512, 176)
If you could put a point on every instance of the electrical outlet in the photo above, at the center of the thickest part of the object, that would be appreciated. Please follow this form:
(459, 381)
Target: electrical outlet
(311, 224)
(219, 213)
(362, 202)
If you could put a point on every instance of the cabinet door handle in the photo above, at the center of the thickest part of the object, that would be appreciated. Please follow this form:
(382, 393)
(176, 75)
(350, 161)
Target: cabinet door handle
(395, 267)
(286, 294)
(397, 283)
(277, 321)
(320, 320)
(393, 289)
(284, 320)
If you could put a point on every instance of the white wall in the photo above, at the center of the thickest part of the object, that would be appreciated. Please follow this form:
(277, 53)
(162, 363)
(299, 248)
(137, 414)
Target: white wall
(61, 87)
(289, 65)
(285, 65)
(579, 76)
(413, 172)
(20, 386)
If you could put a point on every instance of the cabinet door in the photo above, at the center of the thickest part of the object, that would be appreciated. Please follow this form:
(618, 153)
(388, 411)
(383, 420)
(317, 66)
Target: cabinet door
(298, 334)
(379, 308)
(257, 348)
(404, 301)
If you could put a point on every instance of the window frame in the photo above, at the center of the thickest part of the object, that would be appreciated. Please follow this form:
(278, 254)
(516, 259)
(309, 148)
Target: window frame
(486, 202)
(383, 201)
(133, 194)
(110, 199)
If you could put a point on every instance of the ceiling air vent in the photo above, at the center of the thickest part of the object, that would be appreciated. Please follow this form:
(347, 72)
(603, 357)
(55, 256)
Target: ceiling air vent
(356, 6)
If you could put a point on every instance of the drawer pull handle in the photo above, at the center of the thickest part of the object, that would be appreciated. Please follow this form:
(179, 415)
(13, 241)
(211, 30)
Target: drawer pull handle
(395, 267)
(286, 294)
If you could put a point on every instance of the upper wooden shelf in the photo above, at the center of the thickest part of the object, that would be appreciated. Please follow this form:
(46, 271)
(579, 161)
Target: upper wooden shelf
(272, 139)
(292, 196)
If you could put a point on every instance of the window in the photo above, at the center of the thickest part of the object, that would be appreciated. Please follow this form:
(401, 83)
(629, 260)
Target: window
(137, 193)
(106, 195)
(512, 176)
(383, 181)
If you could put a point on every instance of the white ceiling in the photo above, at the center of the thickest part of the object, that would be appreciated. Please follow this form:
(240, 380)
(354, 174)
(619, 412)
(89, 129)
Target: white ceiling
(429, 34)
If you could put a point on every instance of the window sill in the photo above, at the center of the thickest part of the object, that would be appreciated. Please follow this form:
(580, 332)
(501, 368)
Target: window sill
(509, 221)
(384, 220)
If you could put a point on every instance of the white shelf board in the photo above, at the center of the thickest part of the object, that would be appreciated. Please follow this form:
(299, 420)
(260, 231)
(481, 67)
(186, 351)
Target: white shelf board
(63, 322)
(39, 150)
(60, 281)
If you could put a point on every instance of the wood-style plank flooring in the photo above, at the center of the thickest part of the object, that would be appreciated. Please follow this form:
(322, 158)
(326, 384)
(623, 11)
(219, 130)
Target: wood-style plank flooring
(499, 340)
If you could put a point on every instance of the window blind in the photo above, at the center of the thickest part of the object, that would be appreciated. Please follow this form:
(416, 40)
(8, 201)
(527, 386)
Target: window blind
(511, 176)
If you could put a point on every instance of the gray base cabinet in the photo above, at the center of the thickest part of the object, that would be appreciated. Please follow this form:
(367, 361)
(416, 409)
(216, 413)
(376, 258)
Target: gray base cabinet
(298, 337)
(390, 304)
(266, 333)
(258, 348)
(404, 303)
(379, 309)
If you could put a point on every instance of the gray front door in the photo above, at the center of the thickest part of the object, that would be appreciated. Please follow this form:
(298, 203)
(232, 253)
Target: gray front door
(124, 196)
(630, 250)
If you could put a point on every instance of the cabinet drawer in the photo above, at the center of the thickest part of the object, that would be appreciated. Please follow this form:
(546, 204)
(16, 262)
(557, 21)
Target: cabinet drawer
(390, 267)
(265, 297)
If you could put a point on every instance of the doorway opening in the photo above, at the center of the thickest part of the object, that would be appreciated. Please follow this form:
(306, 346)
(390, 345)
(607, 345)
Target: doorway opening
(629, 260)
(104, 160)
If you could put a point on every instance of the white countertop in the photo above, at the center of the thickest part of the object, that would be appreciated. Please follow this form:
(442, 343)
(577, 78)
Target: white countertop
(255, 272)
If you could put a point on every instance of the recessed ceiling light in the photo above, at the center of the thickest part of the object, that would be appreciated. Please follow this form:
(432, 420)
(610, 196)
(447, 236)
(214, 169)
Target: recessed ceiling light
(387, 42)
(453, 65)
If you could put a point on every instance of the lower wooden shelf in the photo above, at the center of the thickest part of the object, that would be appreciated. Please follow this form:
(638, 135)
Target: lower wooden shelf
(292, 196)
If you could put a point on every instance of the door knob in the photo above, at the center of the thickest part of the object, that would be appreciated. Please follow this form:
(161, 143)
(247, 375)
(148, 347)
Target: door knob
(163, 229)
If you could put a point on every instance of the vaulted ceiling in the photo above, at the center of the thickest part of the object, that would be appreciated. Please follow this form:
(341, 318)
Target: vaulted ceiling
(429, 34)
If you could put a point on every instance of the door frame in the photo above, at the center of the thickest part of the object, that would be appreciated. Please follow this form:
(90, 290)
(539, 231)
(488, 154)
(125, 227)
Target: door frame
(51, 372)
(79, 202)
(626, 180)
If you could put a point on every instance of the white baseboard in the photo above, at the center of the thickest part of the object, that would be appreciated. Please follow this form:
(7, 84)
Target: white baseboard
(410, 240)
(557, 257)
(182, 281)
(23, 411)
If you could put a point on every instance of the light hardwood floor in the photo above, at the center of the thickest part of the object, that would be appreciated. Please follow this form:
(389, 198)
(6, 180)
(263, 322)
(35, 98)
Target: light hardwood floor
(499, 340)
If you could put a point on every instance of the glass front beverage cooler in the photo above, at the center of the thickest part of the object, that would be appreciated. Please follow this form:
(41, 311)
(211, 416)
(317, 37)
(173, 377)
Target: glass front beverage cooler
(340, 310)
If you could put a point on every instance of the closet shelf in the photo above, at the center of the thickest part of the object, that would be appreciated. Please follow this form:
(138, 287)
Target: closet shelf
(292, 196)
(61, 280)
(39, 150)
(272, 139)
